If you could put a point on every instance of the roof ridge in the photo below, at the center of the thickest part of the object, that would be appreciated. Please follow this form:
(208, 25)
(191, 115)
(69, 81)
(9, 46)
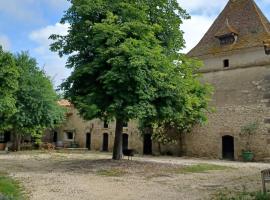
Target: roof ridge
(259, 13)
(243, 17)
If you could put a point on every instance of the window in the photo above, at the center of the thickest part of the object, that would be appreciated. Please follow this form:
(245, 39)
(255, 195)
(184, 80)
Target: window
(125, 124)
(106, 124)
(228, 39)
(69, 135)
(267, 50)
(226, 63)
(2, 137)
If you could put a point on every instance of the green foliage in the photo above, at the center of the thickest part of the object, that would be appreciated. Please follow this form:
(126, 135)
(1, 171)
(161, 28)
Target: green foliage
(36, 100)
(8, 86)
(126, 62)
(188, 106)
(10, 189)
(250, 129)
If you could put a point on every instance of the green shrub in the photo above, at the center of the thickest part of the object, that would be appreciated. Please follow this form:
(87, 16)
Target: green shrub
(10, 189)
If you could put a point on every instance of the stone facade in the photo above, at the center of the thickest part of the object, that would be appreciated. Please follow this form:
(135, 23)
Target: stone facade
(239, 71)
(240, 98)
(94, 134)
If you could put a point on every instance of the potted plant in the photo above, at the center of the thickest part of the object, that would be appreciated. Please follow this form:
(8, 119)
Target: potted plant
(2, 146)
(2, 142)
(248, 130)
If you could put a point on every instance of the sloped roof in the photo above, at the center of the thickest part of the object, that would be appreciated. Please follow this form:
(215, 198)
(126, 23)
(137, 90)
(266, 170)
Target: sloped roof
(241, 16)
(226, 29)
(64, 103)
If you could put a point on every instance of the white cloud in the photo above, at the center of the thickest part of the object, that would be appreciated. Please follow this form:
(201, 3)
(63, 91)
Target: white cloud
(203, 7)
(5, 42)
(202, 14)
(194, 29)
(50, 61)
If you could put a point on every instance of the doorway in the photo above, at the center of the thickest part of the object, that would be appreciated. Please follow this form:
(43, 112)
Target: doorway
(147, 144)
(7, 137)
(228, 147)
(88, 141)
(55, 136)
(125, 141)
(105, 144)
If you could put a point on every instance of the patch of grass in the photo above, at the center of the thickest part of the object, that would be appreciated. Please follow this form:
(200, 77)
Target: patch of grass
(242, 196)
(10, 189)
(200, 168)
(111, 172)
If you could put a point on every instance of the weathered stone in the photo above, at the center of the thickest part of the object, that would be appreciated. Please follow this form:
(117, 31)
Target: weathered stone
(267, 121)
(266, 96)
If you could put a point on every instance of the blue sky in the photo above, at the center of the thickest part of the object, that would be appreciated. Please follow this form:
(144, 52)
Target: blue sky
(25, 25)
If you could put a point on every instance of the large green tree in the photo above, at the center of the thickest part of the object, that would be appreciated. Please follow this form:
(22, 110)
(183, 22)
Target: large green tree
(125, 59)
(8, 86)
(36, 101)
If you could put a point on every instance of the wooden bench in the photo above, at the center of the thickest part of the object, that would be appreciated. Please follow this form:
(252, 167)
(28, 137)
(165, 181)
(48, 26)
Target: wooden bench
(265, 178)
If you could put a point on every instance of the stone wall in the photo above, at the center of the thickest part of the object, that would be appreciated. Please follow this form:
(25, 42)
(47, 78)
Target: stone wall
(80, 128)
(237, 59)
(240, 97)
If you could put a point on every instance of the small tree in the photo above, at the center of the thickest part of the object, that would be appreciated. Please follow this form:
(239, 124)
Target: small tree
(248, 130)
(36, 102)
(8, 86)
(190, 106)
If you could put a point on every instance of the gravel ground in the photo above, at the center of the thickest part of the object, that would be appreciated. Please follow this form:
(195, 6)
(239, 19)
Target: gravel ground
(94, 176)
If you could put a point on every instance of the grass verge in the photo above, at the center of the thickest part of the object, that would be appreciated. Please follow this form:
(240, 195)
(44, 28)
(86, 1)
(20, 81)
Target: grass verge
(111, 172)
(10, 189)
(200, 168)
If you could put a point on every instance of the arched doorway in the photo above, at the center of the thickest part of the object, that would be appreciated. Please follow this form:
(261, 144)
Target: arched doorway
(88, 141)
(147, 144)
(7, 137)
(125, 141)
(105, 144)
(228, 147)
(55, 136)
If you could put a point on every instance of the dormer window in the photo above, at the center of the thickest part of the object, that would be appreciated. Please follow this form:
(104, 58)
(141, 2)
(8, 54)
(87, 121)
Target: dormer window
(267, 47)
(227, 34)
(227, 39)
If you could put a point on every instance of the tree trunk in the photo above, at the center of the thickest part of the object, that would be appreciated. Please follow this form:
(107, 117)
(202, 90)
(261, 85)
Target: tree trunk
(117, 148)
(17, 145)
(181, 145)
(159, 148)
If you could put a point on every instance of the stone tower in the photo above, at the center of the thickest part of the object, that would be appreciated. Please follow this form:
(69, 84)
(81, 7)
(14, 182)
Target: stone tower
(236, 56)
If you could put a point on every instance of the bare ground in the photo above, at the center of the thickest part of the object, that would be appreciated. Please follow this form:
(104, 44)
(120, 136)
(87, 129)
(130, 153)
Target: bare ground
(94, 176)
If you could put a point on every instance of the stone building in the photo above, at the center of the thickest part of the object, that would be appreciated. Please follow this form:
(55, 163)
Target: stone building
(96, 134)
(236, 56)
(235, 52)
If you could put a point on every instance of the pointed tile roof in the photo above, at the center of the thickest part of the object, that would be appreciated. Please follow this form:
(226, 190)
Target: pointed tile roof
(226, 29)
(241, 17)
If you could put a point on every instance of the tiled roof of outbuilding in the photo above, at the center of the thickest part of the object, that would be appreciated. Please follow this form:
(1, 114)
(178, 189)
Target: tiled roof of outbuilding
(64, 103)
(243, 17)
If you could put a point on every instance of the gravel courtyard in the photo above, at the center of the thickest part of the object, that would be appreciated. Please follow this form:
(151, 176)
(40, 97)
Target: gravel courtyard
(94, 176)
